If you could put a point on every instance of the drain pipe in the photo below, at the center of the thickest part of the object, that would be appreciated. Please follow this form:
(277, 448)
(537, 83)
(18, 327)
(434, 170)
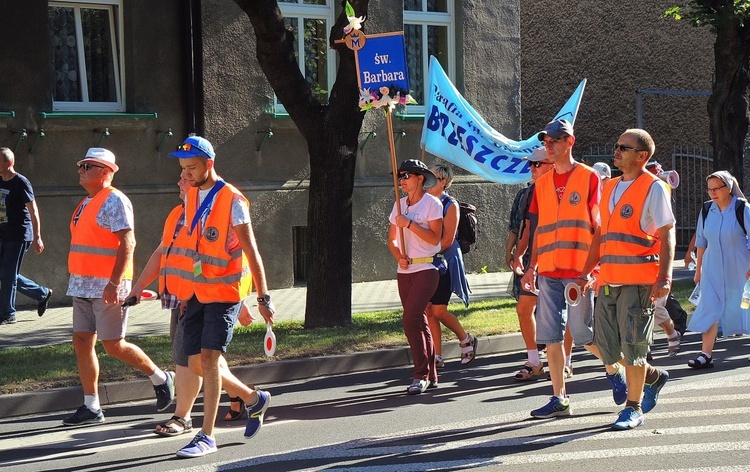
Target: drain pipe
(194, 64)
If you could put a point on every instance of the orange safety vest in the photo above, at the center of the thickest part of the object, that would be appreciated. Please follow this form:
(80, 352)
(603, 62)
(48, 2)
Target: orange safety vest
(176, 259)
(565, 230)
(224, 276)
(93, 249)
(629, 256)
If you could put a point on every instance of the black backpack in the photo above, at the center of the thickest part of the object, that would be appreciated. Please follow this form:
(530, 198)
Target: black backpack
(739, 212)
(467, 223)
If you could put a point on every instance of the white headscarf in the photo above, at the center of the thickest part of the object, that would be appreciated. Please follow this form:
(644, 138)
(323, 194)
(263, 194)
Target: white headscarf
(729, 181)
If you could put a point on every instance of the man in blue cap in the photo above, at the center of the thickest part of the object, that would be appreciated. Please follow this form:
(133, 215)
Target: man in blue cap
(219, 263)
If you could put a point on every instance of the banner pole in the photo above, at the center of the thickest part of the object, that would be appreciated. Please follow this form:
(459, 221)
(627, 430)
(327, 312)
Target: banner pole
(394, 168)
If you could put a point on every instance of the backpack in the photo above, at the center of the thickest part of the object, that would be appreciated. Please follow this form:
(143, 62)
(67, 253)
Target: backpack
(739, 212)
(467, 223)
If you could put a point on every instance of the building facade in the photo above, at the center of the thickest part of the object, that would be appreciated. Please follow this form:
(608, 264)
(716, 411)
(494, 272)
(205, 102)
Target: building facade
(137, 76)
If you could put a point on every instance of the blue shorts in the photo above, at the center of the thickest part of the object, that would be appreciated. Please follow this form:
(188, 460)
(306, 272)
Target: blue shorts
(551, 316)
(209, 326)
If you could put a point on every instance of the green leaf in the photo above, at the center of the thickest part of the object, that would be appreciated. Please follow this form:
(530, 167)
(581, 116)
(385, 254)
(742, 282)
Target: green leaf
(349, 9)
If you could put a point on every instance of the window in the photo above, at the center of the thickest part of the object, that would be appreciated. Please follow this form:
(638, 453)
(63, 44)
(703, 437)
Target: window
(314, 18)
(429, 30)
(85, 55)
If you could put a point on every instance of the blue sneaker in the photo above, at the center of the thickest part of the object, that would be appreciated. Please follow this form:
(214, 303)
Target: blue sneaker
(619, 387)
(651, 392)
(555, 407)
(628, 418)
(255, 413)
(199, 446)
(165, 392)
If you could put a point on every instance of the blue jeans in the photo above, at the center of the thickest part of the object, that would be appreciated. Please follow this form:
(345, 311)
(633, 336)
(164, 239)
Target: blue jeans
(11, 280)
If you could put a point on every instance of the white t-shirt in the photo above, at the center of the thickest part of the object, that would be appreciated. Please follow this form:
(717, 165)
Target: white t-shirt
(427, 209)
(240, 215)
(657, 209)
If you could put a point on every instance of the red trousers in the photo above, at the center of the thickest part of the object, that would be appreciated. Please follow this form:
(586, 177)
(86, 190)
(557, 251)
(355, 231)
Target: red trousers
(415, 291)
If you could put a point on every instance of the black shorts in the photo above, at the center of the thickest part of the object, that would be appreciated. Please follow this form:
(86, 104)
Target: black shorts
(443, 291)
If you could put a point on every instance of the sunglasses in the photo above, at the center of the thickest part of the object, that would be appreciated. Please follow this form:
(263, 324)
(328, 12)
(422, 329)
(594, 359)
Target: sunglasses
(87, 166)
(185, 147)
(624, 148)
(539, 164)
(404, 176)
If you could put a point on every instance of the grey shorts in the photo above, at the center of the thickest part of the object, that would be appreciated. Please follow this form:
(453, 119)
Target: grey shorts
(176, 334)
(92, 315)
(624, 323)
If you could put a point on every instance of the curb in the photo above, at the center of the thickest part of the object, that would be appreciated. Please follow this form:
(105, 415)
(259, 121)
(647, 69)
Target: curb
(69, 398)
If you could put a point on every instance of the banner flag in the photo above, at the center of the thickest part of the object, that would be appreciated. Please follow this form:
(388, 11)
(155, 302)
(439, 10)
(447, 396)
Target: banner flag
(454, 131)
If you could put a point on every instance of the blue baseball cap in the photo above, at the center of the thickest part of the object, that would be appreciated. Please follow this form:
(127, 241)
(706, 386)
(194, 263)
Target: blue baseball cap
(557, 129)
(194, 146)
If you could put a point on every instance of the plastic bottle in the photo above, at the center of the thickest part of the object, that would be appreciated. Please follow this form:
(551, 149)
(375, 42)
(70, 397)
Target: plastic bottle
(691, 264)
(745, 304)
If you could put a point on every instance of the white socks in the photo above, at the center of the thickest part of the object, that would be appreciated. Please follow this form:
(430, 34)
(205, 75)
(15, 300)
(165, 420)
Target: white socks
(533, 357)
(92, 402)
(158, 377)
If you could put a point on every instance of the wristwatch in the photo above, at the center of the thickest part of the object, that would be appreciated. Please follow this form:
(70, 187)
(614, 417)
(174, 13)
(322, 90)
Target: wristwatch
(264, 299)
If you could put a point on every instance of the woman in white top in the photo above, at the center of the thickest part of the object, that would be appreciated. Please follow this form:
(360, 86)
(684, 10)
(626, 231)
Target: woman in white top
(421, 224)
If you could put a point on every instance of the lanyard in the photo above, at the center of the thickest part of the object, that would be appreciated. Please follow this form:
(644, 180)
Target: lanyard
(205, 206)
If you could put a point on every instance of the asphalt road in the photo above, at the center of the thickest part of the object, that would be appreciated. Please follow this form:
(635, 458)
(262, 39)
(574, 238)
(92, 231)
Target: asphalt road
(478, 419)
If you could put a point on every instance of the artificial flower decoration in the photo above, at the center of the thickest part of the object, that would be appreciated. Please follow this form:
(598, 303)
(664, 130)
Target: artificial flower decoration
(355, 22)
(385, 97)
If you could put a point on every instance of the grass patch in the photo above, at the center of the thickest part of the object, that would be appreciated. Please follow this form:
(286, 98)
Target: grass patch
(23, 369)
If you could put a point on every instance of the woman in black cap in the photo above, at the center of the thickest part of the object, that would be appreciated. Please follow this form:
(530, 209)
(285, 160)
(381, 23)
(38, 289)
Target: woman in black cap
(421, 224)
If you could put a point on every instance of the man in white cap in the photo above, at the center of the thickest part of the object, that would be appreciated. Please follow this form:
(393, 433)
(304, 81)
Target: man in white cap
(100, 263)
(517, 257)
(604, 171)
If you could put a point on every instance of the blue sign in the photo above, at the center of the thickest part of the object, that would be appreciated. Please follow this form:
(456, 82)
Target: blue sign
(381, 62)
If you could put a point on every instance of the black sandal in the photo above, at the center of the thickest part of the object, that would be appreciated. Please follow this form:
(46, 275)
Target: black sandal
(233, 414)
(701, 362)
(170, 428)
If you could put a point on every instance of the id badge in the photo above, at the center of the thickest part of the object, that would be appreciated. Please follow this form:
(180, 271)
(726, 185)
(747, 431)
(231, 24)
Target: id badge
(197, 269)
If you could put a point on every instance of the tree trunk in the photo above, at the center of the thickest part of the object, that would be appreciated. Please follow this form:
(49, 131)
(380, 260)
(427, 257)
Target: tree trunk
(331, 133)
(728, 105)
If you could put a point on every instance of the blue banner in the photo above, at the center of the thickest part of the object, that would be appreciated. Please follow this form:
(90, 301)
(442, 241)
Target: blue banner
(381, 62)
(454, 131)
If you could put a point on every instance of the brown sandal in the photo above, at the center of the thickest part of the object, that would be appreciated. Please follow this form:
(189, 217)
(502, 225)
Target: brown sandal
(529, 372)
(175, 426)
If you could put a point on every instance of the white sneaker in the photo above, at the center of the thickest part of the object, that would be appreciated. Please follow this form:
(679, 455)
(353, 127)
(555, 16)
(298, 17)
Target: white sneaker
(417, 386)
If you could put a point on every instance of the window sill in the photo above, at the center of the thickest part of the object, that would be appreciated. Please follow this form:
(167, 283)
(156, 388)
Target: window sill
(410, 116)
(68, 114)
(97, 120)
(277, 114)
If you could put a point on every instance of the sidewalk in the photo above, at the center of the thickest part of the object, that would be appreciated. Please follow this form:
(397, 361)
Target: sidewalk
(148, 319)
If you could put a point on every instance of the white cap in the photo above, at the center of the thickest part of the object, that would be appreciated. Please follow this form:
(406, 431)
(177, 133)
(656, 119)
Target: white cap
(603, 170)
(539, 154)
(101, 156)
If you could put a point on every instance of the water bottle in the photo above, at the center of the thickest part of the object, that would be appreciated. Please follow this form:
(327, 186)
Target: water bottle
(746, 296)
(691, 264)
